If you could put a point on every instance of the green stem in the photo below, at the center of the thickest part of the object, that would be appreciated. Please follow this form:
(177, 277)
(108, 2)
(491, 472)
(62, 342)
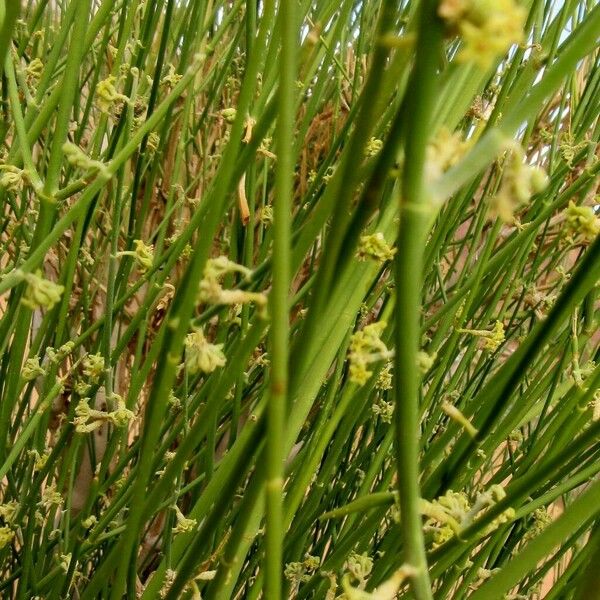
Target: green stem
(415, 210)
(279, 300)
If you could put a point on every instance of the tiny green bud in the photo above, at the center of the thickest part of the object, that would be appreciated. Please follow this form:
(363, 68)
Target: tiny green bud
(229, 114)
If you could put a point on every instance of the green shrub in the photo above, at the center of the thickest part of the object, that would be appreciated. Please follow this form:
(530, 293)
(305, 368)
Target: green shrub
(298, 299)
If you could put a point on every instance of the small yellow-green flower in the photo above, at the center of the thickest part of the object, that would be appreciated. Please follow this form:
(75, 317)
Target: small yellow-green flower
(12, 178)
(88, 419)
(32, 369)
(374, 246)
(142, 252)
(121, 415)
(373, 147)
(89, 522)
(184, 525)
(384, 381)
(366, 347)
(488, 27)
(444, 151)
(107, 95)
(582, 221)
(50, 497)
(78, 158)
(384, 410)
(93, 366)
(34, 70)
(41, 292)
(153, 141)
(425, 361)
(200, 355)
(229, 114)
(266, 215)
(359, 566)
(6, 536)
(492, 339)
(8, 511)
(172, 78)
(211, 290)
(57, 356)
(520, 182)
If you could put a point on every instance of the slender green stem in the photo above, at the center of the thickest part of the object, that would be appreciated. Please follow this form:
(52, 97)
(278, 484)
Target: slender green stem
(279, 300)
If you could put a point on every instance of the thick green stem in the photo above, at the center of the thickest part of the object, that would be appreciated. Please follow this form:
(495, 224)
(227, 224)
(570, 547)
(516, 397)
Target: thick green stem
(415, 211)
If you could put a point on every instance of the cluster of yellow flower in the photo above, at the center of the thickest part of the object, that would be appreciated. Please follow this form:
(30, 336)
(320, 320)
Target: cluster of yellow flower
(491, 339)
(582, 222)
(79, 159)
(366, 347)
(374, 246)
(142, 252)
(520, 182)
(200, 355)
(487, 27)
(449, 514)
(107, 96)
(88, 419)
(40, 292)
(211, 288)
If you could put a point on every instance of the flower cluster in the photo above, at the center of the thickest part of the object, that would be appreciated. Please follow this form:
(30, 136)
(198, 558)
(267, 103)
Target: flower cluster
(425, 361)
(384, 410)
(11, 178)
(229, 114)
(488, 27)
(359, 567)
(6, 536)
(212, 291)
(184, 525)
(172, 78)
(373, 147)
(491, 339)
(444, 151)
(366, 347)
(40, 292)
(200, 355)
(107, 96)
(582, 222)
(34, 70)
(93, 366)
(50, 497)
(384, 381)
(374, 246)
(520, 182)
(541, 519)
(449, 514)
(266, 215)
(300, 572)
(57, 356)
(142, 252)
(79, 159)
(8, 511)
(89, 419)
(31, 369)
